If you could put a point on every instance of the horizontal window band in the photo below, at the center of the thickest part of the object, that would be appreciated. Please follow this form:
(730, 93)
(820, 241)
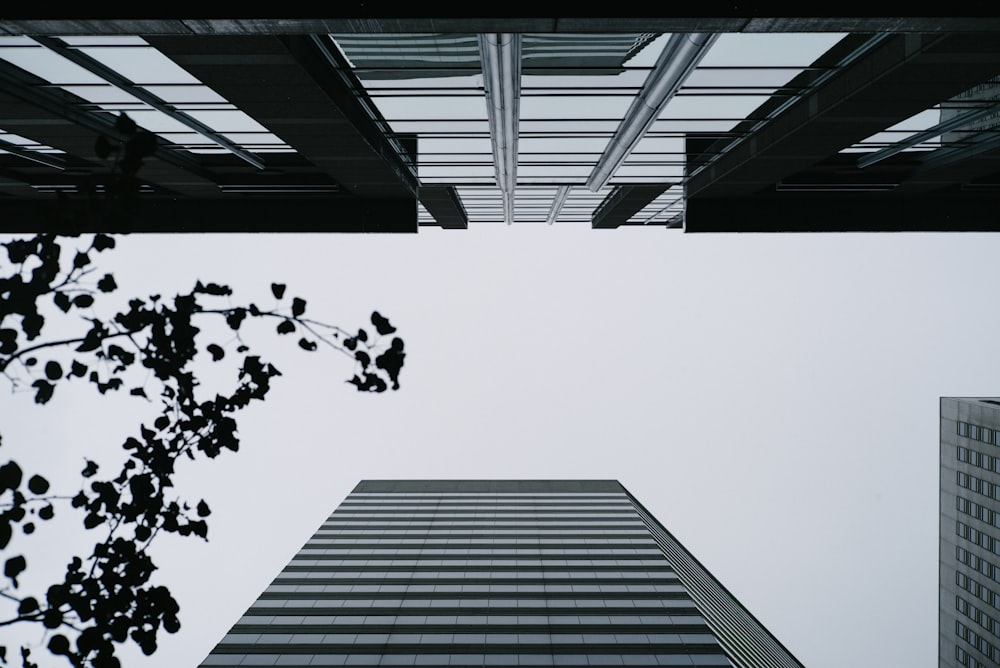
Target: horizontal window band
(318, 596)
(488, 537)
(682, 608)
(484, 503)
(484, 495)
(292, 567)
(473, 661)
(409, 543)
(477, 581)
(486, 508)
(581, 522)
(458, 648)
(303, 554)
(472, 628)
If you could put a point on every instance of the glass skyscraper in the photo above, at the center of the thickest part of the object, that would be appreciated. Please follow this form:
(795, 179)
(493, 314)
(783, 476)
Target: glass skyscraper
(504, 573)
(969, 593)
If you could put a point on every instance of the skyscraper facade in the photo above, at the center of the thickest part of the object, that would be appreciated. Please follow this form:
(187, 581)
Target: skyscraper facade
(496, 573)
(969, 591)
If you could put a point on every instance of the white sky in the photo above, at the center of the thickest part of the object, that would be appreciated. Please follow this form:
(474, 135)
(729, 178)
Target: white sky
(772, 399)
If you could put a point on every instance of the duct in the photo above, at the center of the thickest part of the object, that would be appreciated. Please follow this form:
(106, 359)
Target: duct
(501, 58)
(679, 58)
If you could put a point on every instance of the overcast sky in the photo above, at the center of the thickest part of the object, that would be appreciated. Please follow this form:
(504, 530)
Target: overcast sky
(772, 399)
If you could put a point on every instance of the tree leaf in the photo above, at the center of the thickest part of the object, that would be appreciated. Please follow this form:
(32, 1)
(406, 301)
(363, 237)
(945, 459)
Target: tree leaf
(53, 371)
(14, 567)
(107, 284)
(216, 352)
(235, 317)
(10, 476)
(306, 344)
(8, 341)
(38, 485)
(53, 618)
(278, 290)
(103, 242)
(62, 300)
(78, 369)
(286, 327)
(44, 391)
(81, 260)
(58, 644)
(47, 512)
(382, 325)
(213, 289)
(203, 509)
(298, 306)
(89, 470)
(28, 606)
(31, 325)
(83, 301)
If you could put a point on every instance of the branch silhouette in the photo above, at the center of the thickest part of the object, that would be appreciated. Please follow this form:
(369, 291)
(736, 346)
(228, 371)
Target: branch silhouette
(106, 598)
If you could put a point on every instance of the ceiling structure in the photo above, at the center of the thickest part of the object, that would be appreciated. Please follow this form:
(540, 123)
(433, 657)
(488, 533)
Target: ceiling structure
(387, 125)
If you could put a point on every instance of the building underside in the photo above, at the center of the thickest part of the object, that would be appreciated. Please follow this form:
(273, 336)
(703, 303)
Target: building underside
(389, 125)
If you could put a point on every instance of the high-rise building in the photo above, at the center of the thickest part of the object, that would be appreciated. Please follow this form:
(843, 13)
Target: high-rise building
(496, 573)
(969, 594)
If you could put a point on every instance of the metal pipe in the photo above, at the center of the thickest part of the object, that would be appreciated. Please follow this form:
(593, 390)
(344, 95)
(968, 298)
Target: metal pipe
(501, 60)
(557, 203)
(678, 59)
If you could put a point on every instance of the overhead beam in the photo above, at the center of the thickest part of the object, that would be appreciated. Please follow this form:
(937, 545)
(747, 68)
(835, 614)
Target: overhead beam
(956, 122)
(368, 18)
(33, 108)
(49, 160)
(303, 91)
(445, 205)
(562, 192)
(237, 214)
(500, 54)
(873, 212)
(624, 202)
(679, 57)
(122, 83)
(900, 76)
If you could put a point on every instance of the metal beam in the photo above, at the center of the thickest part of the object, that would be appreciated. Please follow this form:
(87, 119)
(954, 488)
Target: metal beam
(368, 18)
(930, 133)
(120, 82)
(500, 54)
(445, 205)
(562, 192)
(237, 214)
(624, 202)
(33, 156)
(303, 91)
(33, 108)
(899, 77)
(676, 62)
(845, 212)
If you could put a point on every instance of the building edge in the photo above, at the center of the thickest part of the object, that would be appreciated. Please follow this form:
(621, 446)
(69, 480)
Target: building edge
(745, 640)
